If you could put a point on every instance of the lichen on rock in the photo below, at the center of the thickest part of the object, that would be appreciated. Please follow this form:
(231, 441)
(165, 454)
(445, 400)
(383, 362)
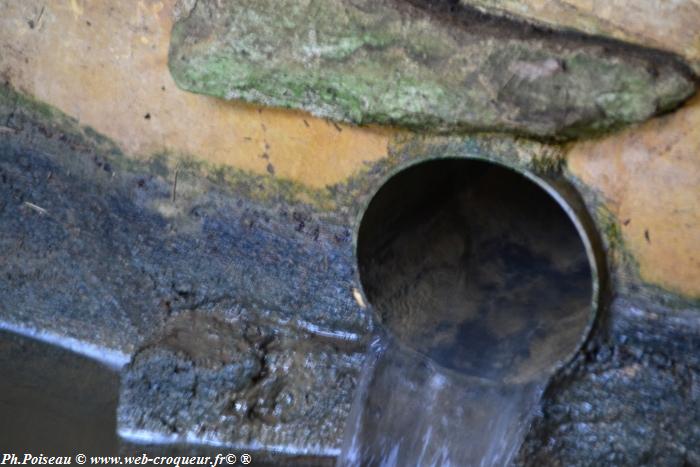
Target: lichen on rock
(419, 66)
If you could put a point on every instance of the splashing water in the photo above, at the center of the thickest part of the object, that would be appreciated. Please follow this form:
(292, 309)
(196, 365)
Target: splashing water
(483, 289)
(410, 411)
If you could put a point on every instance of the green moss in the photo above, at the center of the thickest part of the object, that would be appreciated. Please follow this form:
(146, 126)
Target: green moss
(548, 163)
(374, 62)
(266, 190)
(12, 102)
(610, 228)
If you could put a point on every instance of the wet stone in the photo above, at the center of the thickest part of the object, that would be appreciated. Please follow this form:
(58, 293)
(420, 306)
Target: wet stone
(210, 378)
(112, 256)
(619, 411)
(114, 261)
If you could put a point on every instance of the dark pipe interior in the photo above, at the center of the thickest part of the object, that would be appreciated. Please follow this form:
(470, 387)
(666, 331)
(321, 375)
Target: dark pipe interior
(477, 267)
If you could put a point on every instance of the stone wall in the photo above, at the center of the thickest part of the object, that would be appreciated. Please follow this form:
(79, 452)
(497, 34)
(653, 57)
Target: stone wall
(128, 204)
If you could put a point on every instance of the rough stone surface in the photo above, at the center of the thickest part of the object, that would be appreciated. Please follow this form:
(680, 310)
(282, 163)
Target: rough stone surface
(668, 25)
(250, 385)
(62, 58)
(430, 68)
(100, 250)
(632, 398)
(95, 248)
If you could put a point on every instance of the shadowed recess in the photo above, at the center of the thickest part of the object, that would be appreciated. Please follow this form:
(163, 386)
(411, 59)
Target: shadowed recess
(477, 267)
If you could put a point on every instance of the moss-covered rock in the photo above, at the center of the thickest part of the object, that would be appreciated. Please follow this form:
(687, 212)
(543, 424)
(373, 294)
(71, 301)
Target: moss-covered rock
(668, 26)
(402, 63)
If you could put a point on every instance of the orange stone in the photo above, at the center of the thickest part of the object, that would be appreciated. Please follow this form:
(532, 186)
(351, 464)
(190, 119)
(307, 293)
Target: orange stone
(649, 177)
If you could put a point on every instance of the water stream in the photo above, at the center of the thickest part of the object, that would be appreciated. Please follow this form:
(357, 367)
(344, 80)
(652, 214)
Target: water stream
(410, 411)
(482, 288)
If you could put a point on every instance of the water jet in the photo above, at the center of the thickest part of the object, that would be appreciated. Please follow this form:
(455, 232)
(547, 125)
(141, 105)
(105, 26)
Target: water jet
(485, 282)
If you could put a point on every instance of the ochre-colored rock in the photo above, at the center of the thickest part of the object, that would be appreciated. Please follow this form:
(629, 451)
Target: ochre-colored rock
(649, 177)
(672, 25)
(105, 63)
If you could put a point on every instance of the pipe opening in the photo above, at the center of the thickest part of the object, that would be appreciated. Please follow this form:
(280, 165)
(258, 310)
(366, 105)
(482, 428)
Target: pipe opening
(477, 267)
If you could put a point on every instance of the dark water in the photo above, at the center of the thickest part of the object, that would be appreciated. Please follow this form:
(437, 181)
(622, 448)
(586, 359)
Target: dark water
(53, 401)
(483, 287)
(57, 403)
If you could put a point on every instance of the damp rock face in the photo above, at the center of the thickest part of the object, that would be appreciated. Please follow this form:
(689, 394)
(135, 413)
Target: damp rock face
(98, 251)
(239, 382)
(631, 400)
(419, 65)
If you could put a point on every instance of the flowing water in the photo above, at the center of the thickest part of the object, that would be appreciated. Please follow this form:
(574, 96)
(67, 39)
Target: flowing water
(482, 287)
(410, 411)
